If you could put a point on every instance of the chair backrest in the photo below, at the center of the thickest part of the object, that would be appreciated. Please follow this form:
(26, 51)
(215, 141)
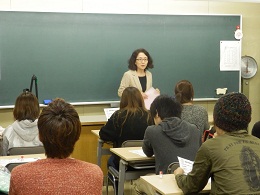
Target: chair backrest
(172, 167)
(26, 150)
(132, 143)
(10, 166)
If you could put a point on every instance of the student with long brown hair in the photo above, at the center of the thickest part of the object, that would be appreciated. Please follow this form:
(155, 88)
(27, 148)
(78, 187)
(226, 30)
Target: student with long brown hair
(127, 123)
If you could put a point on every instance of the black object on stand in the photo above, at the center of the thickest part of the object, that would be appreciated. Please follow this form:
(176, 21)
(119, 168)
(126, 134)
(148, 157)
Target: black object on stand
(34, 78)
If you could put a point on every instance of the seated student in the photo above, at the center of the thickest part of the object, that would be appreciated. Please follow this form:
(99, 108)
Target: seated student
(194, 114)
(168, 138)
(232, 159)
(1, 140)
(59, 129)
(256, 129)
(127, 123)
(24, 131)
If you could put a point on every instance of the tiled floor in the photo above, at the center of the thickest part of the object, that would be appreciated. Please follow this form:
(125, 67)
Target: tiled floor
(128, 189)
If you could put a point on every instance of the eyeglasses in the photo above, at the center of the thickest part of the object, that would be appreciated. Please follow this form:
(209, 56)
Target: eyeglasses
(141, 59)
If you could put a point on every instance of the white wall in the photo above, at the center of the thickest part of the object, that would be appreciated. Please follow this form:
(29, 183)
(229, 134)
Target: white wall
(112, 6)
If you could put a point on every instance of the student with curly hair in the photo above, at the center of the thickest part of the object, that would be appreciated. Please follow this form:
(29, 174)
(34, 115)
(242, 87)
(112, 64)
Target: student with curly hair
(232, 158)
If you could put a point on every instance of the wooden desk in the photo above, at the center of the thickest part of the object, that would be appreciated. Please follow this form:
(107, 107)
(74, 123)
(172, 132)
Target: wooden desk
(167, 184)
(42, 156)
(93, 120)
(128, 157)
(85, 148)
(95, 132)
(5, 160)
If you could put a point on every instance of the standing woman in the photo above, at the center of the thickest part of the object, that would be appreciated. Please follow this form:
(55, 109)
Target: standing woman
(138, 75)
(194, 114)
(24, 130)
(127, 123)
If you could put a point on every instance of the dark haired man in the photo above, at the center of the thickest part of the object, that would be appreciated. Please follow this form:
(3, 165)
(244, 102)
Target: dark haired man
(168, 138)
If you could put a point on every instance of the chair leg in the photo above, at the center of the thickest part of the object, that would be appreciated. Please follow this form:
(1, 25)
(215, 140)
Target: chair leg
(115, 186)
(107, 184)
(111, 178)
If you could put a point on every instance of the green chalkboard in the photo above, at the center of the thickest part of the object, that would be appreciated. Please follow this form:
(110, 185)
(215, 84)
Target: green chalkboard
(81, 57)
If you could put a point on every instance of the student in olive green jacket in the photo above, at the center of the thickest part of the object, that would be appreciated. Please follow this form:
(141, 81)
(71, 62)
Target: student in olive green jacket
(232, 159)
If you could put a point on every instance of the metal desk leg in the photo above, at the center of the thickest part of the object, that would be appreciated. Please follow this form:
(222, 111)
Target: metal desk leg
(99, 151)
(121, 179)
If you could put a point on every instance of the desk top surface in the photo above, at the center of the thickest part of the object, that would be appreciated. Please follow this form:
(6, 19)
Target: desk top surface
(101, 119)
(95, 132)
(167, 184)
(128, 154)
(93, 120)
(42, 156)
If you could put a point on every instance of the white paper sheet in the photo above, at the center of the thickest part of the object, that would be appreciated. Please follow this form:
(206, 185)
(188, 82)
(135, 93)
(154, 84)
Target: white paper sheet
(230, 55)
(139, 152)
(152, 94)
(109, 112)
(185, 164)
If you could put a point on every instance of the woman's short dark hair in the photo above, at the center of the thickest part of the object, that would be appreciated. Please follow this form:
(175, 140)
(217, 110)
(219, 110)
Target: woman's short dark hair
(165, 106)
(59, 128)
(26, 107)
(132, 60)
(184, 92)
